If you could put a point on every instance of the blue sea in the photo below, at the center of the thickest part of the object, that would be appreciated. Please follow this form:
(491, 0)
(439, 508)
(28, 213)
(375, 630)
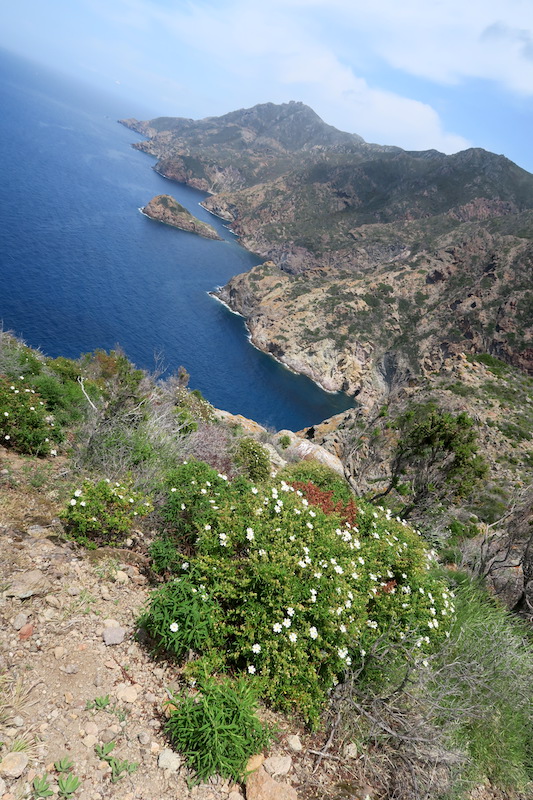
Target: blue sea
(81, 268)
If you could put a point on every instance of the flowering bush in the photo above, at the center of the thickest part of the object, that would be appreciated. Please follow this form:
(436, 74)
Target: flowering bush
(103, 513)
(299, 596)
(24, 424)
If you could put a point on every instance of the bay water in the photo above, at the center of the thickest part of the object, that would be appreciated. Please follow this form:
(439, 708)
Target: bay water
(81, 268)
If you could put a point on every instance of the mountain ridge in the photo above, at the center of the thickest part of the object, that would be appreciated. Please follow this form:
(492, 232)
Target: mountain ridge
(373, 254)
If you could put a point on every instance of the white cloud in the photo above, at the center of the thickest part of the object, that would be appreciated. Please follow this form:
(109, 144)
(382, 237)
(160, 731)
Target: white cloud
(280, 47)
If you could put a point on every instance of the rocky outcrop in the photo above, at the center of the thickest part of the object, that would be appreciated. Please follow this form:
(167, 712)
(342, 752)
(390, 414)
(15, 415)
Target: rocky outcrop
(165, 209)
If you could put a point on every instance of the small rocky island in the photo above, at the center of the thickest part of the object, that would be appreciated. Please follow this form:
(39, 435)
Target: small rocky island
(165, 209)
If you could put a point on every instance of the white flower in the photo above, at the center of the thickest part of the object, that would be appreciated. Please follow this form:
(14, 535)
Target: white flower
(262, 552)
(290, 612)
(256, 648)
(82, 503)
(313, 633)
(251, 669)
(342, 628)
(310, 525)
(7, 438)
(53, 452)
(372, 623)
(185, 565)
(254, 490)
(339, 570)
(72, 502)
(174, 627)
(207, 527)
(6, 414)
(183, 506)
(287, 622)
(173, 489)
(293, 636)
(77, 493)
(250, 534)
(276, 627)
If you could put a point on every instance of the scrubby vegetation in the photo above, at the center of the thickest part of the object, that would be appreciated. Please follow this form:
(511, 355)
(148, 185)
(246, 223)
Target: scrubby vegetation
(288, 592)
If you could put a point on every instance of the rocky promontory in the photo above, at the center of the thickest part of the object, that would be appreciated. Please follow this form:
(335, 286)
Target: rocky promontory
(165, 209)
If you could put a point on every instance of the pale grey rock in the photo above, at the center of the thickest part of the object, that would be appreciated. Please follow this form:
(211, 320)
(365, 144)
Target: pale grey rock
(350, 750)
(294, 743)
(27, 584)
(113, 636)
(128, 694)
(13, 765)
(144, 738)
(2, 786)
(19, 621)
(170, 760)
(278, 765)
(261, 786)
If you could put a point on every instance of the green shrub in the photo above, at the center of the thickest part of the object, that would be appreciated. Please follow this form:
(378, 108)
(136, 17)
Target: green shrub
(319, 474)
(103, 513)
(253, 460)
(24, 424)
(284, 441)
(297, 596)
(218, 730)
(182, 617)
(487, 669)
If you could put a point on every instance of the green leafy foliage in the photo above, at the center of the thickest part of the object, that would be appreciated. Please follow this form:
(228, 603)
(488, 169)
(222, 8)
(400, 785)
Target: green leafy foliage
(487, 669)
(287, 592)
(41, 787)
(63, 765)
(437, 452)
(104, 513)
(68, 784)
(217, 730)
(253, 460)
(182, 617)
(24, 422)
(319, 474)
(119, 768)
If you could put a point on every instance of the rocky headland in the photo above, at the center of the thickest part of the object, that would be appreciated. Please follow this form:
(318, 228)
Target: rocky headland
(380, 263)
(164, 208)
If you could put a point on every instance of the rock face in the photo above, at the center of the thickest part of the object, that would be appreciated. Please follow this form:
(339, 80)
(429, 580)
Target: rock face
(165, 209)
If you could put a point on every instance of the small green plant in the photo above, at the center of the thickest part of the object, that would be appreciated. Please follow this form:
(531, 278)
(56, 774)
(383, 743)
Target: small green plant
(218, 730)
(63, 765)
(103, 750)
(99, 703)
(41, 787)
(103, 513)
(68, 784)
(253, 460)
(284, 441)
(119, 769)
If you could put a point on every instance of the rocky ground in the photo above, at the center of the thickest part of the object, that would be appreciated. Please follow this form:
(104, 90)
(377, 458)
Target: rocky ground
(73, 677)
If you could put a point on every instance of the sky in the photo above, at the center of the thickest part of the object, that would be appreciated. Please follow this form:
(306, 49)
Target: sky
(420, 74)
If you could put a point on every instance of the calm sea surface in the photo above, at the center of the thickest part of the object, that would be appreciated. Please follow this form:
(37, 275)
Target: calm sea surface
(81, 268)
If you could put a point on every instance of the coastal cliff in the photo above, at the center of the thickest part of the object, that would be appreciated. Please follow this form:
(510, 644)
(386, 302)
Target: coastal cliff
(164, 208)
(379, 263)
